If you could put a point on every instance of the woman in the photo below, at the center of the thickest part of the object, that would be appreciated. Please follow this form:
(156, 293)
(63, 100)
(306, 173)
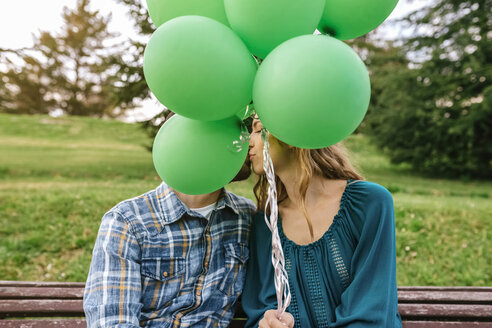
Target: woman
(338, 237)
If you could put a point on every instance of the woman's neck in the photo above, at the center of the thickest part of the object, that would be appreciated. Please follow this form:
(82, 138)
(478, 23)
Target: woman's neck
(198, 201)
(318, 189)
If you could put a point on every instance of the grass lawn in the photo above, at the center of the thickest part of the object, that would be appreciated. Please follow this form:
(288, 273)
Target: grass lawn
(59, 176)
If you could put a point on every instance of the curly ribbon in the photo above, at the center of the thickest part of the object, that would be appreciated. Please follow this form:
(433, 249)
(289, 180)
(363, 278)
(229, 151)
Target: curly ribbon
(243, 141)
(250, 111)
(278, 260)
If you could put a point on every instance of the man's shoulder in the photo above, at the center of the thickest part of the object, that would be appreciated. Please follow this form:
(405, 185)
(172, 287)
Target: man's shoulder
(140, 212)
(241, 204)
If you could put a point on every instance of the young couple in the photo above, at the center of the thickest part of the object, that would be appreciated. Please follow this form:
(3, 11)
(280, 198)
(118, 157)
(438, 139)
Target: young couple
(167, 259)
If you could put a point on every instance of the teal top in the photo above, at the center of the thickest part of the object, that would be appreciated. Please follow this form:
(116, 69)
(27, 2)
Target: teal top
(347, 278)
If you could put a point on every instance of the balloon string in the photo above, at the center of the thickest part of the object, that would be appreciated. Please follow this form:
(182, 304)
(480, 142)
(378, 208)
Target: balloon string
(278, 261)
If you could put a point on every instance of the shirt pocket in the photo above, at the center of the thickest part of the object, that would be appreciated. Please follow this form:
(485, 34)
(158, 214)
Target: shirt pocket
(161, 277)
(236, 255)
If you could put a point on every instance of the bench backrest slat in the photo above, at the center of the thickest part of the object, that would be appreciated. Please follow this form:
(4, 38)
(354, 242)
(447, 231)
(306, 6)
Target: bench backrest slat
(446, 311)
(45, 323)
(48, 307)
(41, 293)
(7, 283)
(483, 296)
(446, 324)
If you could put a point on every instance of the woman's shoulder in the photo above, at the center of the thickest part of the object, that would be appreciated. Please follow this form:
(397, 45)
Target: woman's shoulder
(368, 189)
(367, 194)
(367, 204)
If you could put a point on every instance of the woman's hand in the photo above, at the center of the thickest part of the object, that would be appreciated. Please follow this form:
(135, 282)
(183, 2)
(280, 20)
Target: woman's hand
(270, 320)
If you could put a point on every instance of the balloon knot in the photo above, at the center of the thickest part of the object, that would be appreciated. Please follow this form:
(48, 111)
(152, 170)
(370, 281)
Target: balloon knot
(329, 31)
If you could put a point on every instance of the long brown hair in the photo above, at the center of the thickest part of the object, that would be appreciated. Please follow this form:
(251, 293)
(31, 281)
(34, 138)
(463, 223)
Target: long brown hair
(330, 163)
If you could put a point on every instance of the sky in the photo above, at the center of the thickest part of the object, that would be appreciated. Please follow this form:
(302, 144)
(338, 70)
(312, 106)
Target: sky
(21, 19)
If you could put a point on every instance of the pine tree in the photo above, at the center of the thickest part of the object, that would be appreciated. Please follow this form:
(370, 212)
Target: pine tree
(134, 87)
(133, 84)
(24, 88)
(72, 71)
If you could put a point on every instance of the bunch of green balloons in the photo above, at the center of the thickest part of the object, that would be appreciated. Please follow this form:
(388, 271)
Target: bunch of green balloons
(202, 62)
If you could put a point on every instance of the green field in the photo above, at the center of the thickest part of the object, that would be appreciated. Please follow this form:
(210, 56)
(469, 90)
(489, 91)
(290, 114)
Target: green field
(58, 176)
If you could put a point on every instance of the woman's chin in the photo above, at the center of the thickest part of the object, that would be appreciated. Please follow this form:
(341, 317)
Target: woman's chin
(258, 170)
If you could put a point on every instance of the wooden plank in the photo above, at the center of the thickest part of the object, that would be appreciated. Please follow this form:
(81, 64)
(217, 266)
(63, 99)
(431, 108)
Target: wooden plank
(445, 324)
(41, 292)
(44, 323)
(444, 288)
(446, 296)
(449, 311)
(32, 308)
(7, 283)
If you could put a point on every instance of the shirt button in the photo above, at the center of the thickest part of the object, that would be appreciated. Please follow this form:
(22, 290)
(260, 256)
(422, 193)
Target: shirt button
(165, 274)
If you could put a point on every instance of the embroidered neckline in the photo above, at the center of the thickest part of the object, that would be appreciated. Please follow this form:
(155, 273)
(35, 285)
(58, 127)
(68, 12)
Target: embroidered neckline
(336, 218)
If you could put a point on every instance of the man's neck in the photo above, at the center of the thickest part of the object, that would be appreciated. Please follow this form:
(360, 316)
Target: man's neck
(197, 201)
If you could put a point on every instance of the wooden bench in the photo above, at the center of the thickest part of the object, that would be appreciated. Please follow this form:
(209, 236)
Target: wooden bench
(59, 305)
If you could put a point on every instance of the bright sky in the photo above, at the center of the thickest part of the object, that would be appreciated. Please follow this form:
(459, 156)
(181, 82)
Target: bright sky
(21, 19)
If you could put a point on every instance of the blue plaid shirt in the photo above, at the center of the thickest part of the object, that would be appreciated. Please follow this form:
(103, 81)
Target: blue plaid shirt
(157, 263)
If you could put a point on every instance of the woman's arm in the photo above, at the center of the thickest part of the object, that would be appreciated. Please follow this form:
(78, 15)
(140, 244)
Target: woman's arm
(259, 289)
(371, 298)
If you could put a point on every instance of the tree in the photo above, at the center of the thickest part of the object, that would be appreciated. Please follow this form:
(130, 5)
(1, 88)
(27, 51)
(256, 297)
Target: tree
(73, 71)
(134, 87)
(435, 112)
(23, 90)
(132, 83)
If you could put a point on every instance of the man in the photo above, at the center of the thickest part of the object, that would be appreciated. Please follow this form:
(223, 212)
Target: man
(167, 259)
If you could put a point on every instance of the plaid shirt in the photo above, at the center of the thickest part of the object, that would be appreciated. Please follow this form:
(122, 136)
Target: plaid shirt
(157, 263)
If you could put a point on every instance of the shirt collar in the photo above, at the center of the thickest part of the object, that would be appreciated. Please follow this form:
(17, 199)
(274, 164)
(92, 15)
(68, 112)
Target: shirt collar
(226, 199)
(172, 208)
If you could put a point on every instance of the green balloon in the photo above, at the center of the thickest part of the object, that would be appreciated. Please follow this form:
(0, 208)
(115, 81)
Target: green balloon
(161, 11)
(264, 24)
(198, 157)
(199, 68)
(312, 91)
(349, 19)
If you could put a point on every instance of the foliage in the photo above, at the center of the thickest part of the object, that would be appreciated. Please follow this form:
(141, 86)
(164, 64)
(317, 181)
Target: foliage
(133, 85)
(135, 88)
(73, 71)
(435, 112)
